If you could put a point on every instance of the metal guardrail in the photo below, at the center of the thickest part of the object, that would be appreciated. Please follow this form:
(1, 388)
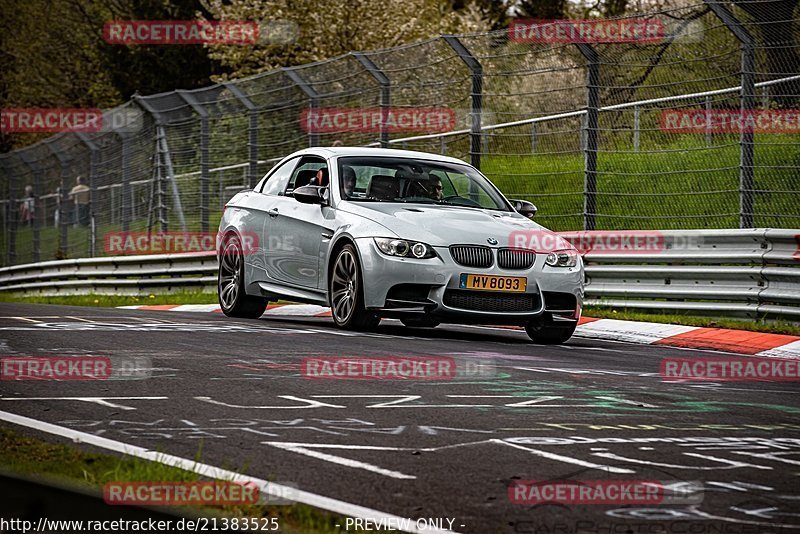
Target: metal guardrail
(117, 275)
(750, 273)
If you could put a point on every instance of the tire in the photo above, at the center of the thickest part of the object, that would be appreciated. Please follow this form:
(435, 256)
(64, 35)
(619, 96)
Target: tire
(548, 332)
(233, 299)
(420, 322)
(346, 293)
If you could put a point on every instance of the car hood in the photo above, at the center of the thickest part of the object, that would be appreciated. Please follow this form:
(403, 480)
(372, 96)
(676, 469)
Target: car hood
(445, 225)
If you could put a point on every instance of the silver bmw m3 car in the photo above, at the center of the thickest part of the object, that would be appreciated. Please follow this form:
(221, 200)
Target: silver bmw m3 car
(376, 233)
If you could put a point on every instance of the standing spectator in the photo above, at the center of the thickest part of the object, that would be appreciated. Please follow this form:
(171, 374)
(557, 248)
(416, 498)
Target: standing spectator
(80, 195)
(27, 207)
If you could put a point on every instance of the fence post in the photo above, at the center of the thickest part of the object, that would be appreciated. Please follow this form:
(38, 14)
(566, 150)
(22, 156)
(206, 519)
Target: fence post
(636, 125)
(6, 174)
(162, 149)
(385, 86)
(93, 154)
(126, 182)
(64, 197)
(533, 138)
(590, 135)
(476, 97)
(747, 98)
(11, 214)
(204, 165)
(313, 97)
(36, 172)
(252, 134)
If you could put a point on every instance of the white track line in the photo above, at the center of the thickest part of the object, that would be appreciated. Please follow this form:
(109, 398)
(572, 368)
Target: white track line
(270, 488)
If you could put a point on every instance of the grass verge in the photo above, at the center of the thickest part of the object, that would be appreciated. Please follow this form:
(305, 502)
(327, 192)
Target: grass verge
(106, 301)
(68, 465)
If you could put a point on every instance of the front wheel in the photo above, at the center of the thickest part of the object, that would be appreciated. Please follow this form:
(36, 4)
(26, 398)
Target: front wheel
(347, 293)
(549, 332)
(233, 299)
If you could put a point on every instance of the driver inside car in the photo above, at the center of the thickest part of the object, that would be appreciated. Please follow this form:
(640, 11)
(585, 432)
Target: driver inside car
(431, 189)
(348, 181)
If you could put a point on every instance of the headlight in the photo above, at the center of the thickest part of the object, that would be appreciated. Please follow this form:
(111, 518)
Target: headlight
(404, 249)
(562, 258)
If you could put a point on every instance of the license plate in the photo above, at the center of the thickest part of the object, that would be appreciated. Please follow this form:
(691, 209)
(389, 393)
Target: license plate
(489, 282)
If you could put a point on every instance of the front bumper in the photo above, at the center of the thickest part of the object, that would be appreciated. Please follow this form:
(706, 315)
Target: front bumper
(403, 286)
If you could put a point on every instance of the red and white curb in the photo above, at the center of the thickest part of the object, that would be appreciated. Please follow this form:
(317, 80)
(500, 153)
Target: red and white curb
(693, 337)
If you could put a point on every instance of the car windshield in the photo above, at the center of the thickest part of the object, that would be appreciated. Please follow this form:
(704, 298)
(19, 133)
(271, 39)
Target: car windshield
(418, 181)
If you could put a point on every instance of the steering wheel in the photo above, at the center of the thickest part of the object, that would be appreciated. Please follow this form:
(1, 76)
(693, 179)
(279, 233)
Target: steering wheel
(461, 201)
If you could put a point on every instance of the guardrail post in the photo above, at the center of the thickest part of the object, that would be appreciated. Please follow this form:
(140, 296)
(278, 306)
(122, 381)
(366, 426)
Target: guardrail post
(162, 151)
(385, 86)
(64, 198)
(204, 166)
(36, 172)
(590, 135)
(747, 98)
(313, 97)
(93, 154)
(252, 135)
(476, 97)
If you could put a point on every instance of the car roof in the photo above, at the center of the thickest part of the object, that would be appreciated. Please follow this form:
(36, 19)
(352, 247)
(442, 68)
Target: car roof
(368, 151)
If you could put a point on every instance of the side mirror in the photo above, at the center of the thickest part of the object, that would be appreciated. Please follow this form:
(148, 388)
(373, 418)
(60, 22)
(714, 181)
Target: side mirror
(523, 207)
(311, 194)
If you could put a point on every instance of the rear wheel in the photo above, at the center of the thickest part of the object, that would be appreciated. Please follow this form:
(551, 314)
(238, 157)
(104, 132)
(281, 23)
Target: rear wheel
(549, 332)
(233, 299)
(347, 293)
(420, 322)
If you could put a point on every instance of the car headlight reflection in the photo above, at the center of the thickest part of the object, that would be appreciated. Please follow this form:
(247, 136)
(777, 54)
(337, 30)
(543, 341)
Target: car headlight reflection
(404, 249)
(562, 258)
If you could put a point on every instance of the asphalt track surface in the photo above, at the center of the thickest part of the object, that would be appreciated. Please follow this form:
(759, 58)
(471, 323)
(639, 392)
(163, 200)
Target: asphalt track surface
(427, 449)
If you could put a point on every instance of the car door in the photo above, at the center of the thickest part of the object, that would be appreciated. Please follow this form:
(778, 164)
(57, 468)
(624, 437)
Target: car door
(295, 231)
(262, 207)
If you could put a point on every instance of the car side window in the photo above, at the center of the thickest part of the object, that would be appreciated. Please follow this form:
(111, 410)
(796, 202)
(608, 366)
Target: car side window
(305, 172)
(276, 182)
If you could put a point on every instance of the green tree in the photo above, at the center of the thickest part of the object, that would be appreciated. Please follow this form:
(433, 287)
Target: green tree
(339, 27)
